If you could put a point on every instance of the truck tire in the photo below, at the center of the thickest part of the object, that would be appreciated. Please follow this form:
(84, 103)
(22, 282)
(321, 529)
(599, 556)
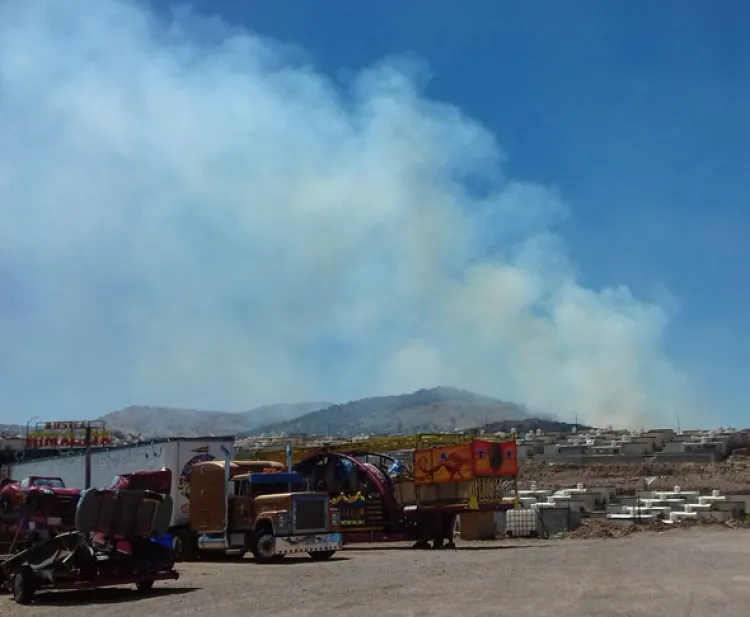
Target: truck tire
(184, 546)
(23, 586)
(321, 555)
(261, 545)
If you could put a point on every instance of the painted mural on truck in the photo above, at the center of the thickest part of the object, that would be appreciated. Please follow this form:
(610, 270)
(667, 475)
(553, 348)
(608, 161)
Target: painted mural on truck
(480, 458)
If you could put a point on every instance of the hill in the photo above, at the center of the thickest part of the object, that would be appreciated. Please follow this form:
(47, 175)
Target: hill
(524, 425)
(434, 410)
(174, 422)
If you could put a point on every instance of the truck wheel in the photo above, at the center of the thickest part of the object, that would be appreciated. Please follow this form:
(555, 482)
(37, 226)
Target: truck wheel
(321, 555)
(184, 546)
(23, 586)
(262, 546)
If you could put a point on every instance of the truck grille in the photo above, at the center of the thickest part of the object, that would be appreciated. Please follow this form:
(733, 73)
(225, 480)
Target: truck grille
(311, 513)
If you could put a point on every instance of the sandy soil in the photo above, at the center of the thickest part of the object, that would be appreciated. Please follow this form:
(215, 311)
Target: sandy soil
(691, 573)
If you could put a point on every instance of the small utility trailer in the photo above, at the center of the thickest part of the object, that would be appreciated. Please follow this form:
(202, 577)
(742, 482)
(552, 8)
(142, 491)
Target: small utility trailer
(113, 545)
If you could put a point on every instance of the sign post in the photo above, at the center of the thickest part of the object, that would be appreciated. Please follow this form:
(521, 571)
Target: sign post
(87, 459)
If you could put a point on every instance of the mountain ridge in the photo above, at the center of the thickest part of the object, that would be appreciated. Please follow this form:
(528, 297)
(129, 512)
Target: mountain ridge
(427, 410)
(439, 409)
(151, 421)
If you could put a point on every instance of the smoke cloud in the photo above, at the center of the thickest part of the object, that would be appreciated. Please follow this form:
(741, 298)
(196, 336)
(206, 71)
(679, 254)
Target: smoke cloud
(193, 216)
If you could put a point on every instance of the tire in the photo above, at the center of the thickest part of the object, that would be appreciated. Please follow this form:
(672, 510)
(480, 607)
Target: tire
(184, 546)
(321, 555)
(261, 546)
(144, 586)
(23, 586)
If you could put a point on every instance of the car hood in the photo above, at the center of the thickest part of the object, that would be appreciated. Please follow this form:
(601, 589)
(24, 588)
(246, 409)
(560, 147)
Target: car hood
(58, 491)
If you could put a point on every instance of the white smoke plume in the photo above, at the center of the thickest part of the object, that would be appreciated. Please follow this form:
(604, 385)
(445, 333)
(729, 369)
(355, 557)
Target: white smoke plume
(193, 216)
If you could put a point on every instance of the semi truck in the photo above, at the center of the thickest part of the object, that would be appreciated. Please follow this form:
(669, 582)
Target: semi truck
(236, 509)
(416, 495)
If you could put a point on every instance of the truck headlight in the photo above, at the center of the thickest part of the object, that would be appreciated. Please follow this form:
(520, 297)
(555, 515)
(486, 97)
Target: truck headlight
(335, 518)
(282, 521)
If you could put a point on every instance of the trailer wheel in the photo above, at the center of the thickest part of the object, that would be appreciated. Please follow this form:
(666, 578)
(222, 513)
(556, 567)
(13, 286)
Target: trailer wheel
(321, 555)
(144, 586)
(23, 586)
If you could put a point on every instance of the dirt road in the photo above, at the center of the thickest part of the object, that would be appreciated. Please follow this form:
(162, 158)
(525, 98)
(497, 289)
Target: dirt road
(692, 572)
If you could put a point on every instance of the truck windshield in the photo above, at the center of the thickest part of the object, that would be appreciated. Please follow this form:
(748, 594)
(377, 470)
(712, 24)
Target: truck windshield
(276, 488)
(51, 482)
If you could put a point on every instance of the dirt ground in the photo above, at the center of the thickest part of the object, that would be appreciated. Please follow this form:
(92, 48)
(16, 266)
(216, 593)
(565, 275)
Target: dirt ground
(731, 476)
(690, 572)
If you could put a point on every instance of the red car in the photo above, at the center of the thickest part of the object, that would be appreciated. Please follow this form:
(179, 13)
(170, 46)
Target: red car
(45, 500)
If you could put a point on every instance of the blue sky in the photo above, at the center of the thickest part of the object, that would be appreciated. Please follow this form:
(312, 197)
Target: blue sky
(158, 265)
(637, 111)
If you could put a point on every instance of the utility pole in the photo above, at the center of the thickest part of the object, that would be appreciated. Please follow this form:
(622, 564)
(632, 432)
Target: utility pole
(28, 428)
(87, 459)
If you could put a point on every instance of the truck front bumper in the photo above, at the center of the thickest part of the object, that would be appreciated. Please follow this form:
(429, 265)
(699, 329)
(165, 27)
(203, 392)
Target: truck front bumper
(307, 544)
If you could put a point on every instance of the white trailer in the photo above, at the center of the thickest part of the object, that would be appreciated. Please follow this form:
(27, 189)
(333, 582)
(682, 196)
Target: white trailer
(177, 455)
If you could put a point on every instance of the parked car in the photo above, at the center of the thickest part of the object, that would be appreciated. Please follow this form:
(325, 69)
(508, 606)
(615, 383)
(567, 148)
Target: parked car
(45, 500)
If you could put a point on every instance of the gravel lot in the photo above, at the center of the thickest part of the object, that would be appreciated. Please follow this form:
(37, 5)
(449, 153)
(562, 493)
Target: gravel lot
(690, 573)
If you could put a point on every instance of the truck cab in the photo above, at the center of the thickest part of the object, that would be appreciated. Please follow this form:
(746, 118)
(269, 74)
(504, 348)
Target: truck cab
(268, 514)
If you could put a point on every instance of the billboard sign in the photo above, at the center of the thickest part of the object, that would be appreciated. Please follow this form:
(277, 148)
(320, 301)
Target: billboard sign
(66, 435)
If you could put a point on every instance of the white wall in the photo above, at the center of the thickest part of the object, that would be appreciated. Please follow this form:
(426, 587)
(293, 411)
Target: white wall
(104, 465)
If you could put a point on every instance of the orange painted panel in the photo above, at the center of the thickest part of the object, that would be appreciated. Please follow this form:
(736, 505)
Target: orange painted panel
(492, 458)
(443, 464)
(423, 466)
